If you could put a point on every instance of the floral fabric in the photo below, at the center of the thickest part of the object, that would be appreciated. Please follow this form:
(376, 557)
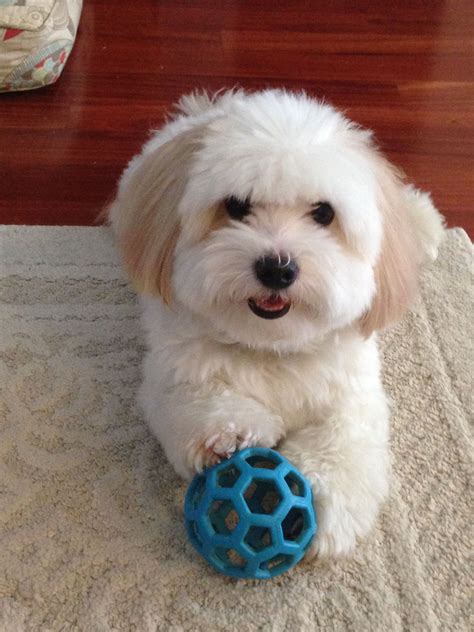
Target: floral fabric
(36, 37)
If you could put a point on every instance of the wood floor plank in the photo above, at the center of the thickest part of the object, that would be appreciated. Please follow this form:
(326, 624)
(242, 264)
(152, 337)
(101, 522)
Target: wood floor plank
(406, 70)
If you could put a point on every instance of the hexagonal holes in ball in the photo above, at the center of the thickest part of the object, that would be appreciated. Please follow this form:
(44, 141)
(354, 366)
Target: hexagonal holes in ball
(293, 525)
(228, 476)
(265, 462)
(295, 483)
(262, 497)
(258, 538)
(279, 562)
(223, 517)
(230, 557)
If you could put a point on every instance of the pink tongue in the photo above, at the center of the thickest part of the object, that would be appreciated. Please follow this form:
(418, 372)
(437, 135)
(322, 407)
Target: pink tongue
(272, 303)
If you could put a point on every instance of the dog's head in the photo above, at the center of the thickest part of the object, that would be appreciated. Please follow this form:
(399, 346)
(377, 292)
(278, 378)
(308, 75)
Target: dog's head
(271, 216)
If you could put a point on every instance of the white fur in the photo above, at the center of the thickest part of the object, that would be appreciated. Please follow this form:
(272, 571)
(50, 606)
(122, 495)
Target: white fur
(429, 225)
(217, 377)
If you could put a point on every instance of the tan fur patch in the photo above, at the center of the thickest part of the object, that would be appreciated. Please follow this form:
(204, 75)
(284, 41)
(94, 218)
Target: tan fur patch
(220, 218)
(396, 272)
(144, 214)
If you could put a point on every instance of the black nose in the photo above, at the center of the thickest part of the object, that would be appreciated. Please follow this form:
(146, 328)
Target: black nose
(276, 272)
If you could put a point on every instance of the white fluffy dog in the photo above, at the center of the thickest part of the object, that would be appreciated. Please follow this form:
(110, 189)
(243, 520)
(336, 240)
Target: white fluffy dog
(269, 240)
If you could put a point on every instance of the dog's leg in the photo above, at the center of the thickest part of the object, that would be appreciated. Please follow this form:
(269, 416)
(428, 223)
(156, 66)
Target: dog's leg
(346, 459)
(200, 428)
(427, 222)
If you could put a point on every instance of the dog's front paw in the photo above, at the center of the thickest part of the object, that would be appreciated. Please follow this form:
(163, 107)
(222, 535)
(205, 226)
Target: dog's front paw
(337, 532)
(212, 449)
(219, 441)
(344, 515)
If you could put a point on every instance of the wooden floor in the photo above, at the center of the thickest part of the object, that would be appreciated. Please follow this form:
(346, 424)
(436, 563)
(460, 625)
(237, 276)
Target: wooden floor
(405, 69)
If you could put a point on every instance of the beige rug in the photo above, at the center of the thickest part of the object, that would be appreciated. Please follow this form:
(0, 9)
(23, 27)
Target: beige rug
(91, 531)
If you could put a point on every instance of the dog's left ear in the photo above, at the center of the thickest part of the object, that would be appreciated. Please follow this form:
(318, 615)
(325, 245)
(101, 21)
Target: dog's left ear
(144, 215)
(412, 232)
(396, 270)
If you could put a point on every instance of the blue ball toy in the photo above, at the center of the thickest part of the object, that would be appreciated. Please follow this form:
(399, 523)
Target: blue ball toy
(251, 516)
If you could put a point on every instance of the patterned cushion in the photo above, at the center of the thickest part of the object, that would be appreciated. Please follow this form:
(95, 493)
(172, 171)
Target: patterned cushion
(36, 37)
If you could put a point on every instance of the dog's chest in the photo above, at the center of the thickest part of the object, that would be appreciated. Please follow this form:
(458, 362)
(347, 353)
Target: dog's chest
(298, 387)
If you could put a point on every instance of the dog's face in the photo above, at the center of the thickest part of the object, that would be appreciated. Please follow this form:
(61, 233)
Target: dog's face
(275, 274)
(271, 218)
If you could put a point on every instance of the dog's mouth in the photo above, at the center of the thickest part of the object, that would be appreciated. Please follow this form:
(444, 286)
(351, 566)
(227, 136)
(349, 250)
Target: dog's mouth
(270, 307)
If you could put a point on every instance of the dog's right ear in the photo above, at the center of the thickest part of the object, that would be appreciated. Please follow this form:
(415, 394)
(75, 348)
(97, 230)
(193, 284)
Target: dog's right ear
(144, 214)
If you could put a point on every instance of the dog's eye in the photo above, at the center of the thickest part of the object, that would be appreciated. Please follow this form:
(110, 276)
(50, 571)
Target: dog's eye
(323, 213)
(236, 208)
